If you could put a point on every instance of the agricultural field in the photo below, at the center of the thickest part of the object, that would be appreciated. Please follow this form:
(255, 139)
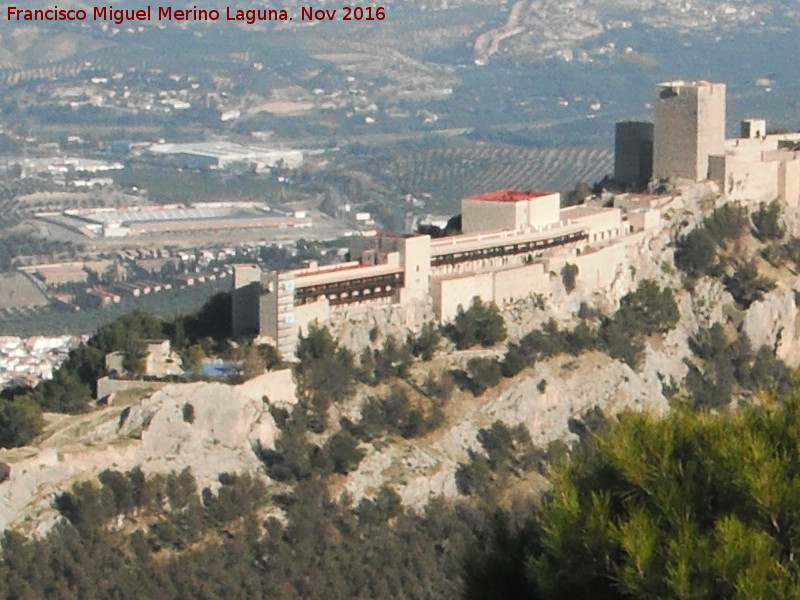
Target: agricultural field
(19, 292)
(51, 321)
(451, 173)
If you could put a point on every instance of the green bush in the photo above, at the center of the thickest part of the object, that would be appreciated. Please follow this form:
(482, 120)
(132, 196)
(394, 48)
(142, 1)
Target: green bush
(482, 324)
(696, 253)
(188, 413)
(689, 505)
(20, 421)
(344, 453)
(620, 343)
(516, 359)
(397, 414)
(569, 274)
(648, 310)
(440, 387)
(484, 373)
(728, 222)
(746, 286)
(325, 373)
(427, 342)
(768, 222)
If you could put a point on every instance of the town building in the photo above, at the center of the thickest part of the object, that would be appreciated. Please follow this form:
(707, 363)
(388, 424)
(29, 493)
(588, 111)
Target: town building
(512, 242)
(226, 155)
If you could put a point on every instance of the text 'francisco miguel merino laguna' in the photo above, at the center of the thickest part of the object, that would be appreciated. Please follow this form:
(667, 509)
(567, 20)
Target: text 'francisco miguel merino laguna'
(167, 13)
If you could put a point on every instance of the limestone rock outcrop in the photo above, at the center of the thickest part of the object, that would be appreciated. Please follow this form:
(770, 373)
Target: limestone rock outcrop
(223, 434)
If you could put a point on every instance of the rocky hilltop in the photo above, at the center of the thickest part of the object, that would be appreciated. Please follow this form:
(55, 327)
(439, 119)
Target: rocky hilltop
(211, 428)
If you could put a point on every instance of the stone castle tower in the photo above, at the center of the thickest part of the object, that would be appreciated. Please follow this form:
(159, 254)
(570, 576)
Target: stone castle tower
(689, 126)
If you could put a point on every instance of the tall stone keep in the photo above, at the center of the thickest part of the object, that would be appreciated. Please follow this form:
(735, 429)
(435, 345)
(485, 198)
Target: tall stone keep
(633, 153)
(689, 126)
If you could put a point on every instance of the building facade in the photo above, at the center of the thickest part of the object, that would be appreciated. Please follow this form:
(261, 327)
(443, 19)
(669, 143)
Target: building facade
(511, 243)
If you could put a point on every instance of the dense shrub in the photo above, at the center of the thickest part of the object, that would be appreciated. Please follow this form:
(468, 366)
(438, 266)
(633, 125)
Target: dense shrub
(188, 413)
(727, 363)
(20, 421)
(396, 413)
(746, 286)
(685, 506)
(569, 274)
(439, 386)
(425, 344)
(619, 343)
(768, 222)
(484, 373)
(325, 373)
(696, 253)
(648, 310)
(481, 324)
(344, 453)
(506, 451)
(728, 222)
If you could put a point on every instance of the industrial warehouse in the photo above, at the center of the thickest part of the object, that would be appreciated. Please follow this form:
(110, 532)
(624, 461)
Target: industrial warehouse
(208, 216)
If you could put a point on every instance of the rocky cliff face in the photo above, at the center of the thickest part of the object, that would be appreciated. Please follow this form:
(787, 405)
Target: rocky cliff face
(230, 423)
(225, 431)
(419, 470)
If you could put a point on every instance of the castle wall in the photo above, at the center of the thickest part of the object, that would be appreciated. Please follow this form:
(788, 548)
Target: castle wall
(521, 282)
(744, 176)
(789, 182)
(450, 293)
(598, 269)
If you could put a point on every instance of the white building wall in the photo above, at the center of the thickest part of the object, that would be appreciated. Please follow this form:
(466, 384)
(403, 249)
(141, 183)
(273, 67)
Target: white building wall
(477, 215)
(744, 176)
(514, 284)
(449, 294)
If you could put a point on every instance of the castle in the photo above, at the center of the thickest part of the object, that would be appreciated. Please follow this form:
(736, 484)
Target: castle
(686, 141)
(514, 242)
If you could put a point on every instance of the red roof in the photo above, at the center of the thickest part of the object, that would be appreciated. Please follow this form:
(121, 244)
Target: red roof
(508, 196)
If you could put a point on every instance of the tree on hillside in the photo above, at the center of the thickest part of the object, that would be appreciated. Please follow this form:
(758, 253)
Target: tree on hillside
(20, 421)
(728, 222)
(768, 222)
(648, 310)
(569, 274)
(480, 324)
(696, 252)
(746, 286)
(686, 506)
(325, 373)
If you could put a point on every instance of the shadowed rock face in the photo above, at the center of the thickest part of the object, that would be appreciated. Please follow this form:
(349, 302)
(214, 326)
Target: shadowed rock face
(5, 471)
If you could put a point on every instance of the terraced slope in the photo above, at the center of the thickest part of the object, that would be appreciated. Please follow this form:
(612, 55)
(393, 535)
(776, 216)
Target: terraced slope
(449, 174)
